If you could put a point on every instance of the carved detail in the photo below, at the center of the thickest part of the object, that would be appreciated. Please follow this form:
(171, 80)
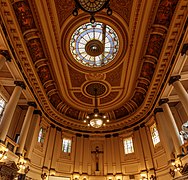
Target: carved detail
(174, 79)
(20, 83)
(162, 101)
(32, 104)
(6, 54)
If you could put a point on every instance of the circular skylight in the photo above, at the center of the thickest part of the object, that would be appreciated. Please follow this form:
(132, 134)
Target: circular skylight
(94, 45)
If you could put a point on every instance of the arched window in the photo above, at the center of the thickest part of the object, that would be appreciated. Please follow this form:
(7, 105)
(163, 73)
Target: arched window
(2, 105)
(41, 135)
(66, 145)
(128, 145)
(154, 134)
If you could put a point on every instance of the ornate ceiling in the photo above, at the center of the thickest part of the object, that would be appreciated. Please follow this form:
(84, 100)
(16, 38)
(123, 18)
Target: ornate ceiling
(151, 35)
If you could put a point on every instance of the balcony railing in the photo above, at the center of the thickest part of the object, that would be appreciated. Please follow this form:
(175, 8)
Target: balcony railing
(11, 145)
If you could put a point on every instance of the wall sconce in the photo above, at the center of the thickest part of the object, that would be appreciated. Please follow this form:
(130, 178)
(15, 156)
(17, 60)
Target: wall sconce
(44, 176)
(22, 166)
(152, 177)
(3, 153)
(52, 172)
(177, 167)
(143, 175)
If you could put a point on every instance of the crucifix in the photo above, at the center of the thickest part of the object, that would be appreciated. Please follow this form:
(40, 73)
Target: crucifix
(97, 152)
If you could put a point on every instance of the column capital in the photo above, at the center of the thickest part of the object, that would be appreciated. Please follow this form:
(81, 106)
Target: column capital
(52, 125)
(20, 83)
(162, 101)
(184, 49)
(136, 128)
(115, 135)
(86, 136)
(58, 129)
(158, 110)
(108, 136)
(174, 79)
(37, 112)
(142, 125)
(78, 135)
(33, 104)
(6, 54)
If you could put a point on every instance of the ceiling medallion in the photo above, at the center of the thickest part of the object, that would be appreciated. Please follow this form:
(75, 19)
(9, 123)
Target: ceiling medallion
(96, 119)
(91, 89)
(91, 7)
(94, 47)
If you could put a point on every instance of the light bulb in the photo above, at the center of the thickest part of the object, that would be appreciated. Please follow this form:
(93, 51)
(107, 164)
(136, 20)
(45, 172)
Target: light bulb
(5, 157)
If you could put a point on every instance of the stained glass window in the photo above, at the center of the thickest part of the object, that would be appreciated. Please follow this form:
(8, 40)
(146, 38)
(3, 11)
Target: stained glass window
(128, 145)
(94, 45)
(66, 146)
(41, 136)
(154, 134)
(2, 105)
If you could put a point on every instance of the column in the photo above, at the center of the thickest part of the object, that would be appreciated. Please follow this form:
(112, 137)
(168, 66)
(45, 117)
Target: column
(113, 156)
(56, 149)
(4, 56)
(10, 108)
(77, 153)
(180, 90)
(86, 155)
(49, 147)
(139, 149)
(172, 125)
(81, 156)
(164, 133)
(25, 127)
(117, 153)
(35, 130)
(146, 147)
(108, 154)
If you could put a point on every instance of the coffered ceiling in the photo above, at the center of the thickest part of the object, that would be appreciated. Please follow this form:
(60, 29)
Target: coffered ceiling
(151, 37)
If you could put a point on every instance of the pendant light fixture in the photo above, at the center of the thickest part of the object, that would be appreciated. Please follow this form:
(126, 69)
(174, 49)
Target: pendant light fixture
(92, 7)
(96, 119)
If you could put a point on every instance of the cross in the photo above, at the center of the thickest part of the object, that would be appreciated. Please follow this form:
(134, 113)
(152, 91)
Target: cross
(97, 151)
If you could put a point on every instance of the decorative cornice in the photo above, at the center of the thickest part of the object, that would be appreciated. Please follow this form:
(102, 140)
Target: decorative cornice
(162, 101)
(174, 79)
(20, 83)
(6, 54)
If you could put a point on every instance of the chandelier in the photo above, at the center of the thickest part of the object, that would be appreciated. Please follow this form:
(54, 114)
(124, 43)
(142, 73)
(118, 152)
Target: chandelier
(91, 7)
(96, 119)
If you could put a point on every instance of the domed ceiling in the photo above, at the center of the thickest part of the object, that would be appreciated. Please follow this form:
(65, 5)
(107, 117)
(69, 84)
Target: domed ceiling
(127, 57)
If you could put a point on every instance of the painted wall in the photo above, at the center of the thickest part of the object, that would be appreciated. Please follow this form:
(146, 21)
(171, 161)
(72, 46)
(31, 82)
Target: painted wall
(113, 164)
